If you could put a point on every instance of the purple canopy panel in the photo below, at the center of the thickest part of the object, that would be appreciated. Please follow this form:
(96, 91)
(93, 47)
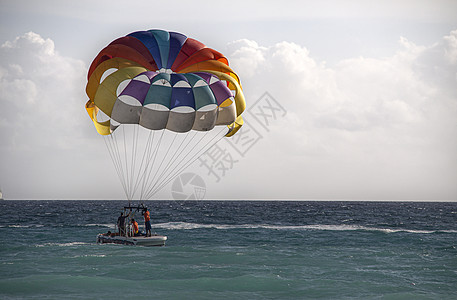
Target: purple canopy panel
(221, 92)
(149, 74)
(137, 89)
(205, 76)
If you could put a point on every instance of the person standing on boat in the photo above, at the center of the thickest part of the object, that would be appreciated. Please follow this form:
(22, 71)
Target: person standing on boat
(147, 222)
(136, 230)
(121, 224)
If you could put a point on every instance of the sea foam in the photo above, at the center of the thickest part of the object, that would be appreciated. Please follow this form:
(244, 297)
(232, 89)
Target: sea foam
(342, 227)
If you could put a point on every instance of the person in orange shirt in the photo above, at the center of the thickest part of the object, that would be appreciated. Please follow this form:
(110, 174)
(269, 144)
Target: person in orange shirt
(147, 222)
(136, 230)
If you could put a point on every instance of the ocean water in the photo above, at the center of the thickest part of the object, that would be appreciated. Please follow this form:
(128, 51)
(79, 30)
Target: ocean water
(232, 250)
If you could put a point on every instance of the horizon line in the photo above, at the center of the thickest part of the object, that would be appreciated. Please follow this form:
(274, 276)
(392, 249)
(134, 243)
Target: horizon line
(257, 199)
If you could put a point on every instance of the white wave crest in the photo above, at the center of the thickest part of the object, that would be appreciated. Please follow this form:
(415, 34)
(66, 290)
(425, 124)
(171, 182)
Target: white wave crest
(190, 226)
(23, 226)
(89, 255)
(101, 225)
(62, 244)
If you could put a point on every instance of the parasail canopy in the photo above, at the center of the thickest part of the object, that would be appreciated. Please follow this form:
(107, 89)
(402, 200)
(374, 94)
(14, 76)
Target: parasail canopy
(161, 100)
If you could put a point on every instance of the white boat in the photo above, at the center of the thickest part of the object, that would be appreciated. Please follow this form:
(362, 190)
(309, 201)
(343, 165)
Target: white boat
(127, 237)
(1, 195)
(155, 240)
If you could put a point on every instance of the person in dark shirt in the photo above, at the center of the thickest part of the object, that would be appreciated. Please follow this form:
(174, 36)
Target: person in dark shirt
(121, 224)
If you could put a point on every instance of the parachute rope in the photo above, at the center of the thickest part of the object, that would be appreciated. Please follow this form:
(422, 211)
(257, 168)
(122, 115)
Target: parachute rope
(150, 154)
(161, 160)
(121, 166)
(111, 145)
(199, 153)
(134, 156)
(164, 159)
(168, 163)
(154, 189)
(144, 158)
(153, 159)
(126, 165)
(182, 151)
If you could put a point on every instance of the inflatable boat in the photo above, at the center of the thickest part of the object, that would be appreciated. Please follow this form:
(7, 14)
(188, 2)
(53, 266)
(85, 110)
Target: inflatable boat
(154, 240)
(125, 234)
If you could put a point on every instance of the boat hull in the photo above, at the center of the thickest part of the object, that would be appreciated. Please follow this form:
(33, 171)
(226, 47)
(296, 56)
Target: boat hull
(155, 240)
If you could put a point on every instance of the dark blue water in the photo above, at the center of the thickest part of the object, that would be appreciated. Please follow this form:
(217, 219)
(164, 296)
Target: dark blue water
(232, 250)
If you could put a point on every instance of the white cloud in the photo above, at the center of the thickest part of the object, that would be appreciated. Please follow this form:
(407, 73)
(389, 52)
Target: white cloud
(450, 47)
(380, 92)
(42, 117)
(249, 54)
(362, 128)
(40, 91)
(362, 115)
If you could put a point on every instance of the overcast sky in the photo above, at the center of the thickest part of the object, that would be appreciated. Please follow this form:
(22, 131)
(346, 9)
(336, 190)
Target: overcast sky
(359, 98)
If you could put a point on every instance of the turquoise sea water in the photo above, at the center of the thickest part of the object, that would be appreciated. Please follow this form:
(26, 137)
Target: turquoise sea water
(232, 250)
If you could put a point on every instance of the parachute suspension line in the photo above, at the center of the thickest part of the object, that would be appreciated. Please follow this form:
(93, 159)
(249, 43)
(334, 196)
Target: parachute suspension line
(154, 188)
(145, 157)
(110, 148)
(152, 159)
(200, 152)
(113, 150)
(149, 153)
(171, 175)
(185, 150)
(163, 156)
(182, 150)
(116, 161)
(129, 158)
(119, 159)
(154, 181)
(174, 158)
(126, 167)
(132, 167)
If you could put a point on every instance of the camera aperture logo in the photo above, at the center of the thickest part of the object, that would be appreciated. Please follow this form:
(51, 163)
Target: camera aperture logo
(188, 186)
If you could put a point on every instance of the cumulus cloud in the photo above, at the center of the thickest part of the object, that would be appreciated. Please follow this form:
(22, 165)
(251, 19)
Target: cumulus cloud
(450, 47)
(363, 115)
(249, 54)
(379, 91)
(41, 116)
(39, 91)
(361, 128)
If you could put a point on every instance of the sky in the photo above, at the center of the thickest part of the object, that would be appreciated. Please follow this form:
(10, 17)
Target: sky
(352, 100)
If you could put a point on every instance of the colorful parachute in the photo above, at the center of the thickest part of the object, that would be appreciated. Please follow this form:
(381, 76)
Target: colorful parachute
(161, 100)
